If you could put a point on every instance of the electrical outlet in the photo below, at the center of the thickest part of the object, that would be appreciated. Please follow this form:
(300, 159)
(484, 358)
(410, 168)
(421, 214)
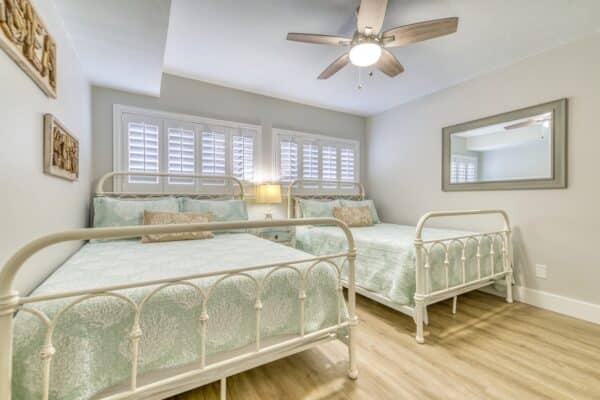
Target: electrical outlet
(541, 271)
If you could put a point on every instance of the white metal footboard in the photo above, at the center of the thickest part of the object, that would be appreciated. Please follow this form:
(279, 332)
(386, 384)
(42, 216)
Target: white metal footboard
(11, 302)
(425, 294)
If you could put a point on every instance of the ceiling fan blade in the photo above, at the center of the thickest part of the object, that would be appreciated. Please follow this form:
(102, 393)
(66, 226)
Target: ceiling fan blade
(528, 122)
(523, 124)
(335, 66)
(388, 64)
(319, 39)
(420, 31)
(370, 16)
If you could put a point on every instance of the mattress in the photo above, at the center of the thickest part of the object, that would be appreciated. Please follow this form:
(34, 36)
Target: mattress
(385, 262)
(91, 339)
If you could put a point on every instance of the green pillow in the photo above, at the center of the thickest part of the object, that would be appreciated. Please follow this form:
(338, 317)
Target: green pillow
(125, 212)
(223, 210)
(318, 208)
(362, 203)
(110, 212)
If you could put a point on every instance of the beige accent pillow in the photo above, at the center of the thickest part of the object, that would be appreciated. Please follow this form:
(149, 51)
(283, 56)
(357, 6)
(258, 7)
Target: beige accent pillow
(165, 218)
(354, 216)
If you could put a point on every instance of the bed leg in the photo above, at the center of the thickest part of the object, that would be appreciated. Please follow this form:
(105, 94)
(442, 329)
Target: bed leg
(223, 385)
(454, 301)
(353, 319)
(419, 313)
(352, 370)
(509, 293)
(425, 316)
(420, 289)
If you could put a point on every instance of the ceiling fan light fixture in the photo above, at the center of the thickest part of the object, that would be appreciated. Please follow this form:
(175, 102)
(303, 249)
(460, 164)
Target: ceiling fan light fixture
(365, 54)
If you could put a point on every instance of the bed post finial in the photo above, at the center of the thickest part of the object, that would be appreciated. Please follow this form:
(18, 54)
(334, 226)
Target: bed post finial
(8, 306)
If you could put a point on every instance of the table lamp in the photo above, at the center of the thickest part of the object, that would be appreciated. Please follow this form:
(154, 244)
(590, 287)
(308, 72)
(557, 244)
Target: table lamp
(268, 193)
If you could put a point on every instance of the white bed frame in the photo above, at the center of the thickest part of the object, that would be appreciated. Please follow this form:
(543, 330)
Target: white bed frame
(203, 372)
(424, 294)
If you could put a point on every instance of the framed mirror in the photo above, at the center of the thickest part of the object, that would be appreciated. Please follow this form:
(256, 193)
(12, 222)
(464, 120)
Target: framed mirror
(521, 149)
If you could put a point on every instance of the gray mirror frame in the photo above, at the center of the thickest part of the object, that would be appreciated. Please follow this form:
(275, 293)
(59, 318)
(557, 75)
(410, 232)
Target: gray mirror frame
(559, 150)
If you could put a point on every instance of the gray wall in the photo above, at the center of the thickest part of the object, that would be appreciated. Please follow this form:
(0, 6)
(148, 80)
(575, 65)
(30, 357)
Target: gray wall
(206, 100)
(34, 204)
(559, 228)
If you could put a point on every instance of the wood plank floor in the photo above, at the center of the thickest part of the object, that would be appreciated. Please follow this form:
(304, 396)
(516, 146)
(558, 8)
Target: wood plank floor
(489, 350)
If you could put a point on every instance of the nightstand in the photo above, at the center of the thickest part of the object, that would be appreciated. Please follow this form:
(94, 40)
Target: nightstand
(279, 234)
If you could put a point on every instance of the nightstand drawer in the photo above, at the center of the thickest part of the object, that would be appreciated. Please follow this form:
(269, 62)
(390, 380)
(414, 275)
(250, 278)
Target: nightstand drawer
(277, 236)
(284, 235)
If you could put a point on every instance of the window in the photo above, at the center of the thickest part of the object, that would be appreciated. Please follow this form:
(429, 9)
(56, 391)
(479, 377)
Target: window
(463, 169)
(315, 157)
(152, 141)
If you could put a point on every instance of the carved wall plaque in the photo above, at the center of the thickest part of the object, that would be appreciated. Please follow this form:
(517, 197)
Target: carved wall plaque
(61, 150)
(24, 37)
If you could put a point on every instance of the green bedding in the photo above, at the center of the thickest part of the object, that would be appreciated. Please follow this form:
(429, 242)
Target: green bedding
(91, 339)
(385, 262)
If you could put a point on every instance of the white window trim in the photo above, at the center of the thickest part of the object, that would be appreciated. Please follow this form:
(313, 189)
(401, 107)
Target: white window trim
(276, 132)
(119, 110)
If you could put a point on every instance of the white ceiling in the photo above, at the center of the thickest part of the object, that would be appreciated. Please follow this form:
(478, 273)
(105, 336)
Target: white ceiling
(120, 44)
(241, 44)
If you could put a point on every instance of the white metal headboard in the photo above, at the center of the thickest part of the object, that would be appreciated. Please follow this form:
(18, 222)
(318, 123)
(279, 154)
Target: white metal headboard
(321, 184)
(236, 194)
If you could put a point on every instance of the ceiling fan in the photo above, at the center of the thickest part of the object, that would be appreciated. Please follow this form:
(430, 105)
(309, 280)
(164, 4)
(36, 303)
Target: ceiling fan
(369, 47)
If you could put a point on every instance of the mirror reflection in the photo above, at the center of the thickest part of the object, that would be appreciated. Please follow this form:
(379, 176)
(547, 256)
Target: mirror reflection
(520, 149)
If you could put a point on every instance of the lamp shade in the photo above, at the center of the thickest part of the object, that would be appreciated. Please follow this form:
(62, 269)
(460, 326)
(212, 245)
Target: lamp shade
(268, 193)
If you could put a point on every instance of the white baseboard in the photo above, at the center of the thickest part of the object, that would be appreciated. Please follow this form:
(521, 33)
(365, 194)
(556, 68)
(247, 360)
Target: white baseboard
(553, 302)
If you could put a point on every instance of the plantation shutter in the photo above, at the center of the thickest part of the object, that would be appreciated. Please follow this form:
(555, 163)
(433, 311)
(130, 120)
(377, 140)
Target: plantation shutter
(213, 153)
(188, 145)
(288, 159)
(310, 161)
(454, 172)
(347, 164)
(143, 138)
(329, 163)
(181, 154)
(311, 157)
(242, 154)
(463, 169)
(471, 172)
